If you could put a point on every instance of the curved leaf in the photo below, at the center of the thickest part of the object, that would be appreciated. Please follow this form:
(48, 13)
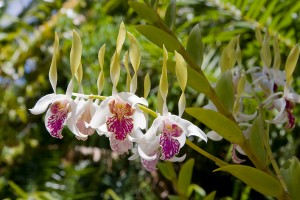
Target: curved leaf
(159, 37)
(257, 179)
(144, 11)
(195, 46)
(225, 89)
(219, 123)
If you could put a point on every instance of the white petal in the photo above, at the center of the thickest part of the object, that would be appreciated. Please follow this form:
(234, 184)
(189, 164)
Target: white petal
(132, 98)
(241, 117)
(177, 159)
(144, 155)
(214, 136)
(293, 97)
(70, 88)
(151, 133)
(194, 130)
(240, 150)
(101, 113)
(139, 120)
(181, 139)
(42, 104)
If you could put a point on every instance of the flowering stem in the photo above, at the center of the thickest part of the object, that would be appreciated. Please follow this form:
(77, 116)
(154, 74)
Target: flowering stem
(218, 161)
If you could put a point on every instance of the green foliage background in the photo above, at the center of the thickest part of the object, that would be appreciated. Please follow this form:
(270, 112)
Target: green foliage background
(34, 164)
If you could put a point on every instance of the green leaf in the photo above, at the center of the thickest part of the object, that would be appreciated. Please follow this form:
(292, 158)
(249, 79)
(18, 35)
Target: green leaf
(225, 90)
(198, 190)
(195, 46)
(211, 196)
(76, 51)
(219, 123)
(185, 176)
(291, 174)
(174, 197)
(265, 52)
(228, 56)
(257, 138)
(167, 170)
(170, 14)
(18, 190)
(159, 37)
(144, 11)
(195, 80)
(255, 178)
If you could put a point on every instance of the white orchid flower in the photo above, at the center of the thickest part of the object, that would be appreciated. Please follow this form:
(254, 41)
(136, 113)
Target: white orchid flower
(120, 117)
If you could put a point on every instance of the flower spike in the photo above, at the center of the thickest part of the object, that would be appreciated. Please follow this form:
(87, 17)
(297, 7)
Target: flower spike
(163, 84)
(181, 74)
(75, 55)
(53, 67)
(101, 79)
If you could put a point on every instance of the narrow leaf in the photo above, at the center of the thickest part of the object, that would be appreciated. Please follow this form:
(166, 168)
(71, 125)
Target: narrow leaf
(265, 52)
(167, 170)
(219, 123)
(211, 196)
(53, 67)
(185, 176)
(159, 37)
(144, 11)
(277, 58)
(225, 90)
(76, 51)
(291, 62)
(170, 14)
(195, 46)
(257, 138)
(255, 178)
(258, 35)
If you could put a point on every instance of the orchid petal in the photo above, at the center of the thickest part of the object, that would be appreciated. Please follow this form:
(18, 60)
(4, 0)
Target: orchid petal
(101, 113)
(214, 136)
(181, 139)
(139, 120)
(293, 97)
(151, 133)
(42, 104)
(177, 159)
(145, 155)
(132, 98)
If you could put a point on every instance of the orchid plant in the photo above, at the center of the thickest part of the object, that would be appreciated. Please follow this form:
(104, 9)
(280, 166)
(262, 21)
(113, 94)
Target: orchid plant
(123, 117)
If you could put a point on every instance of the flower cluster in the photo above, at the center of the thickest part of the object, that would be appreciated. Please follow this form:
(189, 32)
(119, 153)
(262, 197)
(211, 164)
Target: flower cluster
(123, 116)
(267, 87)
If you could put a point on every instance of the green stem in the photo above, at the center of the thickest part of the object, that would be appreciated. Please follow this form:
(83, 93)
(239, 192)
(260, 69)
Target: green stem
(218, 161)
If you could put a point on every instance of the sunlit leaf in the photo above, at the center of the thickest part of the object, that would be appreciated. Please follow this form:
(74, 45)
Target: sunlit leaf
(255, 178)
(159, 37)
(195, 46)
(185, 176)
(76, 51)
(291, 63)
(219, 123)
(144, 11)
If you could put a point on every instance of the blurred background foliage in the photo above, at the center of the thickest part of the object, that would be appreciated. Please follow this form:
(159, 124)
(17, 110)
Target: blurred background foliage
(34, 165)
